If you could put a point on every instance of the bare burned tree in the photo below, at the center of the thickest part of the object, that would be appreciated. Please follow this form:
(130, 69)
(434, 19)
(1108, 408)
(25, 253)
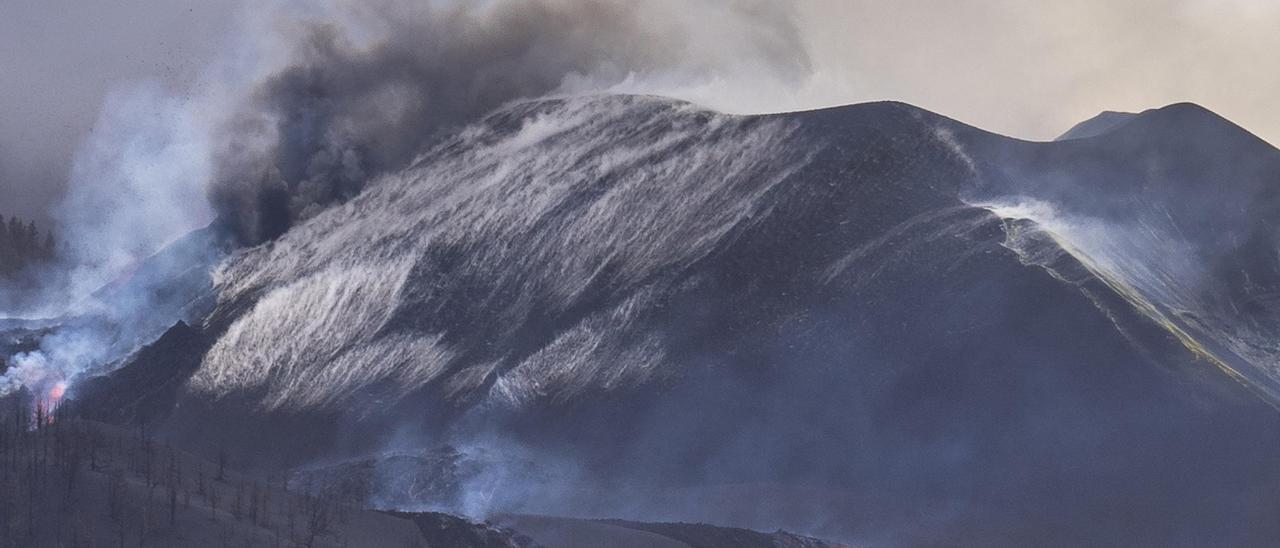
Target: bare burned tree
(319, 515)
(50, 465)
(222, 465)
(213, 502)
(115, 503)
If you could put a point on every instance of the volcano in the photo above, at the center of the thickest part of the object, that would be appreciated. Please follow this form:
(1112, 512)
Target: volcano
(871, 323)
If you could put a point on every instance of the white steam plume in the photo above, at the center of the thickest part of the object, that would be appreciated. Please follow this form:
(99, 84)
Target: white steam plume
(324, 96)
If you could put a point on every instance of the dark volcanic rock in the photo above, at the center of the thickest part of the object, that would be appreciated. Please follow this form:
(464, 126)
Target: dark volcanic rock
(562, 532)
(1098, 125)
(455, 532)
(700, 535)
(429, 478)
(146, 387)
(871, 322)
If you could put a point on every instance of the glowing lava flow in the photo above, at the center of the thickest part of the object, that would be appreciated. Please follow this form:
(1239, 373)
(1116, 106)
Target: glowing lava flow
(47, 406)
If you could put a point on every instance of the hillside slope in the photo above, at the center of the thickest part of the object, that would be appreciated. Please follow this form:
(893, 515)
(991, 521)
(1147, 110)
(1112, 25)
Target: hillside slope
(869, 322)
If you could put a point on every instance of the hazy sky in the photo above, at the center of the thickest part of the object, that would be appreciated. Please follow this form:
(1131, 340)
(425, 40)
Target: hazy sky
(1033, 68)
(59, 59)
(1019, 67)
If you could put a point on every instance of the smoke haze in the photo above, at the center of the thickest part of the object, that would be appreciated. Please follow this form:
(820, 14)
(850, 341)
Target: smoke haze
(303, 101)
(363, 87)
(59, 60)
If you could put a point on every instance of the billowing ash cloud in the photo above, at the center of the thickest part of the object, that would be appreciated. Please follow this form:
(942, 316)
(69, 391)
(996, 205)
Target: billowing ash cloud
(364, 86)
(324, 98)
(340, 92)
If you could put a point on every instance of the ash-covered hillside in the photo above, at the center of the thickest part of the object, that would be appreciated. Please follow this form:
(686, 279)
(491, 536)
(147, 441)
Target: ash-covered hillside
(869, 323)
(69, 482)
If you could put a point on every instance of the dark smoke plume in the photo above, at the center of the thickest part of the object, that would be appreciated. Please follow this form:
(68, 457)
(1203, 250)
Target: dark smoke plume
(365, 88)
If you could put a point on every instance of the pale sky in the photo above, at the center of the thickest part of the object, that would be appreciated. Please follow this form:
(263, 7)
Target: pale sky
(1023, 68)
(1033, 68)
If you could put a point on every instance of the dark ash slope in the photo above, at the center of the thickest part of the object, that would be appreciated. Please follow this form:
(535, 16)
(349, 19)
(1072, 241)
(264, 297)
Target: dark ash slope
(871, 322)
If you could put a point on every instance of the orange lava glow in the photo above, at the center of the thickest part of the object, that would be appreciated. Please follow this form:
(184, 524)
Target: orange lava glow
(46, 406)
(55, 394)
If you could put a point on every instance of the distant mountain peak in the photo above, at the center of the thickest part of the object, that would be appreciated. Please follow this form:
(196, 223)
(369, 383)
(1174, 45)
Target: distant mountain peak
(1187, 116)
(1104, 122)
(1194, 126)
(1183, 122)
